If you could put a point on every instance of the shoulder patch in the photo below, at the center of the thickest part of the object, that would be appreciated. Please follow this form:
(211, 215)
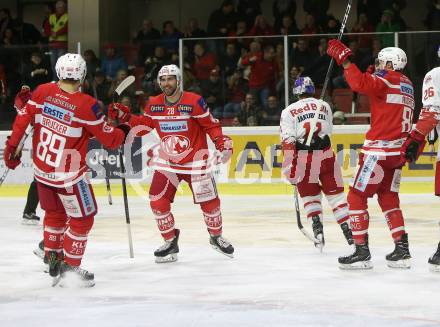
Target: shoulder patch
(202, 104)
(96, 110)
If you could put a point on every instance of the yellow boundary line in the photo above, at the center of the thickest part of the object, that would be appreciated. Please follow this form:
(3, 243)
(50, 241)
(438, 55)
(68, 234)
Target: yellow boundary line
(232, 189)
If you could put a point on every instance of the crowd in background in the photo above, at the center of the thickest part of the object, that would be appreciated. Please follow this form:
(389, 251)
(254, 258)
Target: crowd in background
(241, 78)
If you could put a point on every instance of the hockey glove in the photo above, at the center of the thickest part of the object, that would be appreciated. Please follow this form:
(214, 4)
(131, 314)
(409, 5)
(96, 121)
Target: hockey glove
(9, 155)
(119, 112)
(338, 51)
(412, 147)
(22, 97)
(224, 145)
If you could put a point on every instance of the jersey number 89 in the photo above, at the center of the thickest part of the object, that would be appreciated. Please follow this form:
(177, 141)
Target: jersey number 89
(50, 148)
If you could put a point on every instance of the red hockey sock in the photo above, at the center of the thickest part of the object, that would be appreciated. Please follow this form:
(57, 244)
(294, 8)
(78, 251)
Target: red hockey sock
(359, 221)
(53, 239)
(165, 223)
(74, 247)
(395, 222)
(213, 216)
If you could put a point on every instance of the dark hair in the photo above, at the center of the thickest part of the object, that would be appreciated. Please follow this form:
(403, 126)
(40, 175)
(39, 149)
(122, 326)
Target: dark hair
(165, 23)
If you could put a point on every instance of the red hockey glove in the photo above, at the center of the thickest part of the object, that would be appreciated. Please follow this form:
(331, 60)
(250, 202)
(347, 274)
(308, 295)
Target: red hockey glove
(11, 160)
(338, 50)
(224, 145)
(412, 147)
(22, 97)
(119, 111)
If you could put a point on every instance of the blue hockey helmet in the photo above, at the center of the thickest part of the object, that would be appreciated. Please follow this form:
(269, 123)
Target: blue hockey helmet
(304, 85)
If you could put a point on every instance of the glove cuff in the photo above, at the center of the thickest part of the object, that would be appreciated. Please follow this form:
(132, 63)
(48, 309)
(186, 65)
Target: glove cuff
(417, 136)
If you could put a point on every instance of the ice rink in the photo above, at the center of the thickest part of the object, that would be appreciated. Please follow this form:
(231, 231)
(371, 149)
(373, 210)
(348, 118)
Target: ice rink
(277, 277)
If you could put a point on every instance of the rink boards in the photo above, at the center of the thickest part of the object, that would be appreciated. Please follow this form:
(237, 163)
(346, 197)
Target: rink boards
(255, 167)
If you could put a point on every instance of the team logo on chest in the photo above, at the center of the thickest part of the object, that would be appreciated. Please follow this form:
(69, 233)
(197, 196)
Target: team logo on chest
(174, 145)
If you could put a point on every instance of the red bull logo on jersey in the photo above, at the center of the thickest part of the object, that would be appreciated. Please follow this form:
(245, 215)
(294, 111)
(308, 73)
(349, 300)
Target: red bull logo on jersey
(174, 145)
(58, 113)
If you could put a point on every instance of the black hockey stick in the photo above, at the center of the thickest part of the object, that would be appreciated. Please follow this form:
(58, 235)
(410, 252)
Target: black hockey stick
(19, 148)
(124, 84)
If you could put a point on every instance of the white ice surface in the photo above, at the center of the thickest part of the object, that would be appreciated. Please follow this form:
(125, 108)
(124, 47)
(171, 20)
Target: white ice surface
(276, 279)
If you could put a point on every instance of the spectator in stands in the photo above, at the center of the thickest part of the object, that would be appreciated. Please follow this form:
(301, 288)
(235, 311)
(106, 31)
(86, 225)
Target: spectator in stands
(318, 67)
(92, 62)
(100, 87)
(272, 112)
(223, 20)
(58, 32)
(254, 49)
(236, 93)
(212, 92)
(229, 60)
(294, 73)
(310, 26)
(386, 25)
(204, 62)
(371, 57)
(318, 9)
(152, 67)
(248, 10)
(396, 7)
(332, 26)
(371, 8)
(192, 30)
(170, 37)
(339, 118)
(261, 27)
(432, 20)
(5, 21)
(363, 26)
(111, 63)
(9, 38)
(45, 25)
(300, 55)
(3, 84)
(27, 33)
(241, 30)
(287, 26)
(264, 73)
(250, 113)
(282, 8)
(235, 122)
(36, 72)
(147, 38)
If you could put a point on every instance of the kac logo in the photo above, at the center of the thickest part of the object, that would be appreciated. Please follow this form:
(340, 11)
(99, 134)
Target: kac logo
(174, 145)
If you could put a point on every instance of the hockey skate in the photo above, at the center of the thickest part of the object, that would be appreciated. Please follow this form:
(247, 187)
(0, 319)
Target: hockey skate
(168, 251)
(220, 244)
(434, 261)
(73, 276)
(400, 257)
(359, 260)
(30, 219)
(39, 251)
(318, 232)
(347, 233)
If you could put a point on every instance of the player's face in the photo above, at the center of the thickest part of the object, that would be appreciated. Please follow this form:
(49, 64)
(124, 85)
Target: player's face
(168, 84)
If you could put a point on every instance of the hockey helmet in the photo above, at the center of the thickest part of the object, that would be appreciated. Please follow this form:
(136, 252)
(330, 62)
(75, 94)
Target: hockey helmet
(303, 85)
(71, 66)
(169, 70)
(396, 55)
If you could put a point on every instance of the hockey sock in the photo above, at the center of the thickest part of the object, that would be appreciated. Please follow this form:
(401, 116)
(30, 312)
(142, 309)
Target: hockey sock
(340, 207)
(213, 216)
(395, 222)
(359, 221)
(53, 239)
(312, 205)
(74, 247)
(165, 223)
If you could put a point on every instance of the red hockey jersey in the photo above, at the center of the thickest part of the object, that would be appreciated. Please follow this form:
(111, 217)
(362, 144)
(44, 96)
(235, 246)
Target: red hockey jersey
(63, 124)
(391, 104)
(182, 128)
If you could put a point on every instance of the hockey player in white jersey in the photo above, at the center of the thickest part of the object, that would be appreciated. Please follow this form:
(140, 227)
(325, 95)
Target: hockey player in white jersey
(313, 169)
(428, 120)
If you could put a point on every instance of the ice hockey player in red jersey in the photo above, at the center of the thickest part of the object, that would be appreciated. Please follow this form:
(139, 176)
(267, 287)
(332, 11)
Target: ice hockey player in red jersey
(182, 120)
(428, 120)
(392, 104)
(64, 120)
(315, 161)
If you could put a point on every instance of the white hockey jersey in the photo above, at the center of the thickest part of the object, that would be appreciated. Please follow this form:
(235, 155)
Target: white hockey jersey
(297, 117)
(431, 96)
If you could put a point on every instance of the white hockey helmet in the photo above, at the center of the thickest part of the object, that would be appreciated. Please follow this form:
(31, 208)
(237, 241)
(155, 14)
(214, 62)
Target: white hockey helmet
(396, 55)
(169, 70)
(71, 66)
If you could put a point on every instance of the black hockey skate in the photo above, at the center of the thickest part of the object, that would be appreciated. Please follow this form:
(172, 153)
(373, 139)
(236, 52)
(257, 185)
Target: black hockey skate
(318, 232)
(30, 219)
(220, 244)
(359, 260)
(73, 276)
(400, 257)
(168, 251)
(347, 233)
(54, 262)
(434, 261)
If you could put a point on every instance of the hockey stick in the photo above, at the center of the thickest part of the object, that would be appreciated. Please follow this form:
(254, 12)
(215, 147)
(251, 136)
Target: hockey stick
(124, 84)
(327, 77)
(298, 219)
(27, 132)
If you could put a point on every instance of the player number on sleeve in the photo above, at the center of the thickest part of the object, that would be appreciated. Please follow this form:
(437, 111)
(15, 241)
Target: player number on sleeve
(429, 93)
(50, 148)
